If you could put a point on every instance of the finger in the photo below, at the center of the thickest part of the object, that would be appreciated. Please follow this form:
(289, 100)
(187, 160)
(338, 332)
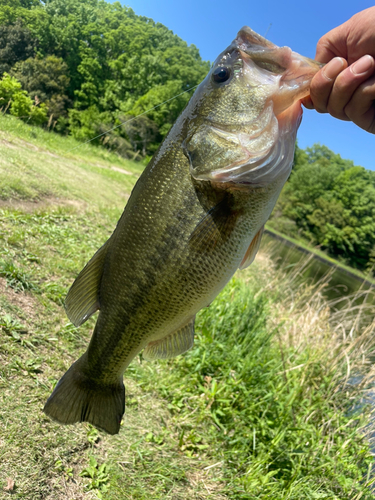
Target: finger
(322, 83)
(346, 84)
(307, 102)
(361, 108)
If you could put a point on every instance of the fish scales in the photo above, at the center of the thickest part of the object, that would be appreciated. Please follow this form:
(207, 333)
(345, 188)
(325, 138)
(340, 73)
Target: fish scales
(194, 217)
(163, 273)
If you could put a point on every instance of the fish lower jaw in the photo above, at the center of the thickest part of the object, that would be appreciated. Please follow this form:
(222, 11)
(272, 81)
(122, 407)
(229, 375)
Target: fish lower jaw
(258, 169)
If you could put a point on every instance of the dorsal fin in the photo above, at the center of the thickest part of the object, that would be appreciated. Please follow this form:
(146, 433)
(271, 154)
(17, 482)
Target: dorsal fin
(252, 250)
(83, 297)
(173, 344)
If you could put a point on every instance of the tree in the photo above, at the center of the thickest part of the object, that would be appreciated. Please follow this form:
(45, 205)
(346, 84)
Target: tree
(19, 103)
(141, 131)
(116, 62)
(47, 79)
(16, 44)
(331, 203)
(9, 86)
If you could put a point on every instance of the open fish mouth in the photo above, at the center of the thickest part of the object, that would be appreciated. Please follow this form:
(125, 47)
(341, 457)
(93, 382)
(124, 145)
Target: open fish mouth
(292, 71)
(250, 138)
(266, 157)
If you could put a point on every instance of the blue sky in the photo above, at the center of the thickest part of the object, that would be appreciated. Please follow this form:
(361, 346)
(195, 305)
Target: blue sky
(212, 24)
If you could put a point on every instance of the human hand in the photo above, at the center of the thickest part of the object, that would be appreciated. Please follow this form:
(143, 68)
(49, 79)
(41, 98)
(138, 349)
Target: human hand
(345, 86)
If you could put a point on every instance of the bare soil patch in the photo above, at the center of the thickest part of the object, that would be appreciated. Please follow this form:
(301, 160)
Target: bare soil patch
(30, 206)
(121, 170)
(4, 142)
(23, 300)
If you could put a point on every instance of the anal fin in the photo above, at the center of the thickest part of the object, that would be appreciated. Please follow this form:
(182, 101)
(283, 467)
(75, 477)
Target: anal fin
(173, 344)
(252, 250)
(82, 299)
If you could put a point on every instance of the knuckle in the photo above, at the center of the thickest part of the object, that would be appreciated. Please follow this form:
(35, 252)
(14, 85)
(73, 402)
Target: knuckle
(340, 86)
(319, 103)
(320, 109)
(338, 113)
(367, 89)
(350, 111)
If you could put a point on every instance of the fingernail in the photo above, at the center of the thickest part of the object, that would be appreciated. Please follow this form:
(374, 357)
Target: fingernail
(362, 66)
(333, 68)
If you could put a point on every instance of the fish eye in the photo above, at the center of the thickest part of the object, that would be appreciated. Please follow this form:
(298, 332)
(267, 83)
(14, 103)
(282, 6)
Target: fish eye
(221, 74)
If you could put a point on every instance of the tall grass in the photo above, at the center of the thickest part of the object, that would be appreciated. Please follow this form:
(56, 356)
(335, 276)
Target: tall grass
(269, 390)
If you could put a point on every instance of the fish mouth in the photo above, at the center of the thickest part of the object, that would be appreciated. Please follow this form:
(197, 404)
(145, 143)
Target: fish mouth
(267, 142)
(294, 71)
(267, 155)
(255, 143)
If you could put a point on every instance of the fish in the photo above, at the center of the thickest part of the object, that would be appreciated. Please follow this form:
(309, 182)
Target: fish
(194, 217)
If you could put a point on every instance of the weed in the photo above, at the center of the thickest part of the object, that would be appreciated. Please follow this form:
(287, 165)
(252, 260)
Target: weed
(16, 278)
(93, 435)
(61, 468)
(267, 407)
(55, 291)
(12, 327)
(98, 475)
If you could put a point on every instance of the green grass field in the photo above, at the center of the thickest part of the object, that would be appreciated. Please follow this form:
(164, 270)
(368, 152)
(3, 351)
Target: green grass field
(269, 404)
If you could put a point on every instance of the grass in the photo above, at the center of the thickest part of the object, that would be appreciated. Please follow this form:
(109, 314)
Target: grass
(272, 401)
(37, 165)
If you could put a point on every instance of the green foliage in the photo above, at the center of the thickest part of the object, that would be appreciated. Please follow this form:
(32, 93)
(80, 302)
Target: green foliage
(141, 131)
(19, 103)
(165, 115)
(266, 409)
(11, 326)
(38, 114)
(16, 44)
(47, 79)
(84, 125)
(331, 203)
(16, 278)
(98, 475)
(9, 87)
(102, 60)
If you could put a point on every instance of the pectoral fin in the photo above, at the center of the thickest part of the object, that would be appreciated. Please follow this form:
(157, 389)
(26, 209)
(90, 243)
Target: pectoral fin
(215, 227)
(83, 297)
(252, 250)
(172, 345)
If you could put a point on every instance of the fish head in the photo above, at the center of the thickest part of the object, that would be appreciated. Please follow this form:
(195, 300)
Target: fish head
(245, 114)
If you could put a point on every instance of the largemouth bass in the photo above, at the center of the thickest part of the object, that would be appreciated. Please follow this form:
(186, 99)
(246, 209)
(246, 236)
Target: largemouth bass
(194, 217)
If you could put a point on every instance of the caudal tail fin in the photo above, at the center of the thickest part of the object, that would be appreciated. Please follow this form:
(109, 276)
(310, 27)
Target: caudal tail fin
(77, 398)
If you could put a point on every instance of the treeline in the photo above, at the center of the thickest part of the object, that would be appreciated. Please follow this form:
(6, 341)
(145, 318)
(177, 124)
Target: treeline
(81, 67)
(330, 203)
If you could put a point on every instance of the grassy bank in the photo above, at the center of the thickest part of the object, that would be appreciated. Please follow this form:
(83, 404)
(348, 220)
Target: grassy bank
(264, 406)
(321, 255)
